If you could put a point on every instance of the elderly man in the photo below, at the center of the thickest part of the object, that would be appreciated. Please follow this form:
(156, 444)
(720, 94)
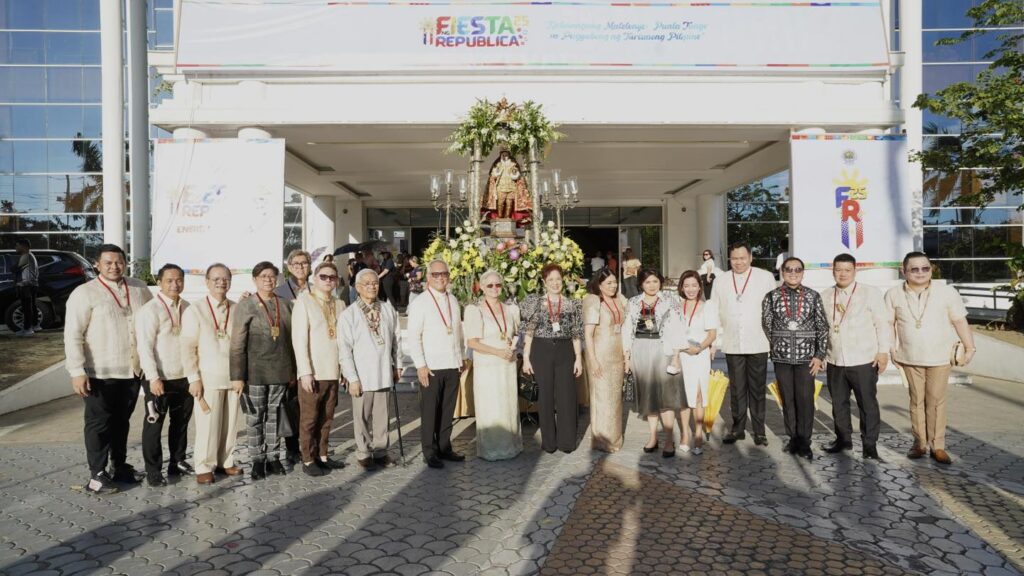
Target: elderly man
(103, 361)
(371, 361)
(166, 387)
(436, 346)
(205, 356)
(315, 340)
(296, 282)
(929, 320)
(858, 352)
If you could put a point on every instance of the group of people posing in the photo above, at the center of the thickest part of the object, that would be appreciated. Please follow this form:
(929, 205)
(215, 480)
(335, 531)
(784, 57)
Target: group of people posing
(280, 355)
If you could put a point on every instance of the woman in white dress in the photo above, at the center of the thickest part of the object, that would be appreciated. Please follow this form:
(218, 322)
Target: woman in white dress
(491, 327)
(693, 340)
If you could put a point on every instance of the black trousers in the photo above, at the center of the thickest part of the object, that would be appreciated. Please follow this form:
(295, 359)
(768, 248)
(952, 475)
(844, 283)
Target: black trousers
(437, 409)
(748, 375)
(27, 295)
(796, 385)
(291, 443)
(863, 380)
(176, 402)
(108, 414)
(552, 362)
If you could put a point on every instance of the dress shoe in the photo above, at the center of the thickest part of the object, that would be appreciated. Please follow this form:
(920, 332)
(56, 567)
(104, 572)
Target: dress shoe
(434, 462)
(156, 480)
(871, 453)
(368, 464)
(731, 438)
(330, 464)
(760, 440)
(790, 447)
(259, 470)
(180, 469)
(650, 449)
(384, 461)
(941, 456)
(204, 478)
(312, 469)
(101, 484)
(230, 471)
(275, 467)
(452, 456)
(293, 458)
(838, 446)
(668, 453)
(126, 474)
(805, 452)
(916, 452)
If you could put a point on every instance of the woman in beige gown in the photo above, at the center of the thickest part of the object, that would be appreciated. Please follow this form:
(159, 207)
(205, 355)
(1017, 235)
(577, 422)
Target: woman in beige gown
(603, 313)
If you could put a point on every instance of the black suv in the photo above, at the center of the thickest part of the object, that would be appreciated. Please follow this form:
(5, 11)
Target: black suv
(59, 274)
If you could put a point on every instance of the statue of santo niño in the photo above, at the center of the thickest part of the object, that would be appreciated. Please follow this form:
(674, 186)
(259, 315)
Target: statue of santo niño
(507, 193)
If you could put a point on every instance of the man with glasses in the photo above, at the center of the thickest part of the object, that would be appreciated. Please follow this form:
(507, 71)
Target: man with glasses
(739, 298)
(436, 346)
(928, 320)
(794, 321)
(371, 361)
(315, 340)
(858, 352)
(296, 282)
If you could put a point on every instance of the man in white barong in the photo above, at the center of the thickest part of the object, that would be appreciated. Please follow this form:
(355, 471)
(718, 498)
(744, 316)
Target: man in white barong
(371, 361)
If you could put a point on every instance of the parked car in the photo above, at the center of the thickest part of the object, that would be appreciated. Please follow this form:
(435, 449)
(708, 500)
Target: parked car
(59, 273)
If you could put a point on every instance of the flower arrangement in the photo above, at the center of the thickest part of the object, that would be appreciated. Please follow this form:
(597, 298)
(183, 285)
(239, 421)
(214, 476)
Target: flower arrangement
(469, 254)
(510, 125)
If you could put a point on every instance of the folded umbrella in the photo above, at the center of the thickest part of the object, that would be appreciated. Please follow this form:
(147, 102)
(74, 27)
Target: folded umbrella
(717, 386)
(774, 389)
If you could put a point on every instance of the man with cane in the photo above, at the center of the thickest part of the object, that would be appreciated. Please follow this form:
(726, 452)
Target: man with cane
(371, 362)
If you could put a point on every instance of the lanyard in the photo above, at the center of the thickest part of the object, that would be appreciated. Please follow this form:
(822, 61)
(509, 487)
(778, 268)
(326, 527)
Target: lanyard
(169, 315)
(554, 317)
(127, 294)
(835, 304)
(438, 306)
(277, 305)
(644, 308)
(696, 304)
(616, 313)
(503, 326)
(737, 290)
(800, 303)
(213, 315)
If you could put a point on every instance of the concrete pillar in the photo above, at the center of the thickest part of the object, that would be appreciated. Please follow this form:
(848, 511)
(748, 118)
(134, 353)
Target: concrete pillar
(681, 251)
(112, 95)
(319, 228)
(138, 130)
(349, 222)
(712, 231)
(911, 85)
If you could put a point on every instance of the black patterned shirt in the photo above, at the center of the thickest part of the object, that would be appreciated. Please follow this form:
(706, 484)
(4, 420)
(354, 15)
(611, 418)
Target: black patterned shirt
(537, 317)
(796, 333)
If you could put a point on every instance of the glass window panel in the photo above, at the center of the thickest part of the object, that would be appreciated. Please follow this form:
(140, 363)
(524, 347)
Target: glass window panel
(998, 216)
(7, 224)
(85, 244)
(6, 156)
(33, 223)
(991, 241)
(946, 13)
(64, 84)
(63, 14)
(6, 119)
(92, 121)
(61, 156)
(576, 217)
(64, 121)
(425, 217)
(72, 48)
(938, 124)
(938, 76)
(972, 50)
(79, 223)
(163, 4)
(388, 217)
(90, 85)
(164, 28)
(6, 191)
(22, 48)
(91, 153)
(942, 189)
(292, 196)
(30, 194)
(601, 216)
(25, 14)
(23, 84)
(29, 122)
(766, 240)
(76, 193)
(991, 271)
(30, 156)
(641, 215)
(91, 15)
(948, 216)
(292, 215)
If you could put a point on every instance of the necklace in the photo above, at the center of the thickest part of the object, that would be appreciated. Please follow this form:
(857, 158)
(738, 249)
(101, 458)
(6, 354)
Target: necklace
(740, 293)
(649, 317)
(221, 333)
(126, 309)
(275, 328)
(447, 324)
(792, 324)
(920, 308)
(616, 314)
(842, 309)
(330, 311)
(503, 325)
(696, 304)
(555, 317)
(175, 326)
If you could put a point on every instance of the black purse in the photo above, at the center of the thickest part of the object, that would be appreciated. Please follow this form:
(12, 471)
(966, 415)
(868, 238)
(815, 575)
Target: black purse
(528, 389)
(288, 415)
(629, 388)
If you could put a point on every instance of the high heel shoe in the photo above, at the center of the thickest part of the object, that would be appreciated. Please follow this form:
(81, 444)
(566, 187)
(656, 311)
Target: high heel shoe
(668, 454)
(650, 449)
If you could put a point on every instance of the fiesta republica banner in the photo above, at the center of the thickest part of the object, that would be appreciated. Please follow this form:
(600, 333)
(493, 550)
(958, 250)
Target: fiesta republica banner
(218, 200)
(850, 194)
(363, 36)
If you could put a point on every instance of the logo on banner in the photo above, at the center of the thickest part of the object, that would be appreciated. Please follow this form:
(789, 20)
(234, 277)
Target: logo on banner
(475, 31)
(851, 190)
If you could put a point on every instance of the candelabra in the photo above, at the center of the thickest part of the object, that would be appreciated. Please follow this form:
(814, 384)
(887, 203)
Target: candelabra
(447, 201)
(559, 194)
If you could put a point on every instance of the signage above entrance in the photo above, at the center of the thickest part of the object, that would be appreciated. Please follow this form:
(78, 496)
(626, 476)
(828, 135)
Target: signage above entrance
(590, 35)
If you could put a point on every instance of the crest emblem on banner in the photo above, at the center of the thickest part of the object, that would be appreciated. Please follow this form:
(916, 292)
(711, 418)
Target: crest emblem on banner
(851, 190)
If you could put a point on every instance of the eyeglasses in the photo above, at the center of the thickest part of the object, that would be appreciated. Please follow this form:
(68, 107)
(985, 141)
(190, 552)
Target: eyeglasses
(492, 285)
(369, 284)
(921, 270)
(789, 270)
(439, 274)
(302, 263)
(328, 277)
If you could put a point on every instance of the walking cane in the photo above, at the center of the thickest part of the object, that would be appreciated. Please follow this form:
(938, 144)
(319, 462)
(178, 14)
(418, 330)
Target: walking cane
(398, 422)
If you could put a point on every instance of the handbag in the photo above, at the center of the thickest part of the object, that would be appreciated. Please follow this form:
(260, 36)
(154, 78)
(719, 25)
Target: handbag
(956, 357)
(288, 415)
(527, 388)
(629, 387)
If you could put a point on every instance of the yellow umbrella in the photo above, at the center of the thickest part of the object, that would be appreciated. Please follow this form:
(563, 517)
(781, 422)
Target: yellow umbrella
(717, 386)
(774, 389)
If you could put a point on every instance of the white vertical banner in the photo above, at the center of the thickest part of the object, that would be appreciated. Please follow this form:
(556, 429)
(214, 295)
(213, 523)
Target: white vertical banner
(850, 194)
(218, 200)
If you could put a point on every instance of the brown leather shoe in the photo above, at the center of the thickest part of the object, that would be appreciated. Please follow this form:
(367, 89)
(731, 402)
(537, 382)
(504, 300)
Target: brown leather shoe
(204, 478)
(916, 452)
(941, 457)
(367, 463)
(232, 471)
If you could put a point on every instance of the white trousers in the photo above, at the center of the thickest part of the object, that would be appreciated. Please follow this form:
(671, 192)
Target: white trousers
(370, 423)
(217, 431)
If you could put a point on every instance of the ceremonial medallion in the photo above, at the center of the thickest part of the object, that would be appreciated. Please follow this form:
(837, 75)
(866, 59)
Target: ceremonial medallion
(792, 325)
(556, 327)
(649, 324)
(275, 332)
(222, 334)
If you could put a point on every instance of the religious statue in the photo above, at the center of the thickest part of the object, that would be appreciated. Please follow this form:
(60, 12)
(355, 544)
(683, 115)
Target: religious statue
(507, 194)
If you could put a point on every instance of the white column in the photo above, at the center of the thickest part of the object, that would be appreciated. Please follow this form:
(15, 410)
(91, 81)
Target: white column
(681, 252)
(711, 227)
(319, 224)
(138, 129)
(112, 95)
(911, 85)
(349, 222)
